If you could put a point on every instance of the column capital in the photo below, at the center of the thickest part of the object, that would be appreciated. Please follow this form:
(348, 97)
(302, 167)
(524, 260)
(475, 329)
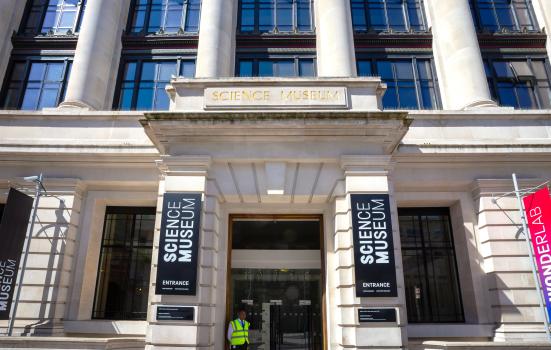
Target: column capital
(362, 165)
(184, 165)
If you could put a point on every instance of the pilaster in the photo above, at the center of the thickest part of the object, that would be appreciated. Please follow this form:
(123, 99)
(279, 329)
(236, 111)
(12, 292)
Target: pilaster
(97, 55)
(457, 56)
(11, 12)
(216, 48)
(504, 251)
(336, 56)
(366, 174)
(187, 174)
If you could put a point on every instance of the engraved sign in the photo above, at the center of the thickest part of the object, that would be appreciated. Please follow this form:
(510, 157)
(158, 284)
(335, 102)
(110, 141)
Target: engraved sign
(276, 97)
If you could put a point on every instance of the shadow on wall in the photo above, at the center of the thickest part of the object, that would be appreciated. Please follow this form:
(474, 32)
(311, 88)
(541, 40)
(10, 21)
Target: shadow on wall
(55, 233)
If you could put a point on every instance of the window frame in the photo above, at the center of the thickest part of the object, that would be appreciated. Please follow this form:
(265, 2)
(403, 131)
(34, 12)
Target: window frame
(405, 14)
(269, 57)
(441, 211)
(145, 32)
(493, 81)
(140, 59)
(81, 7)
(275, 30)
(475, 11)
(411, 57)
(119, 210)
(28, 61)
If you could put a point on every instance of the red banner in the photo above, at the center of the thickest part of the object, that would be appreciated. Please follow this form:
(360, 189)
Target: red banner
(537, 207)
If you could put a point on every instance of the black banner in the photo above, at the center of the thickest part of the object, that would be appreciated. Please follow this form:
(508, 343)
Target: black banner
(175, 313)
(179, 244)
(373, 246)
(13, 230)
(376, 315)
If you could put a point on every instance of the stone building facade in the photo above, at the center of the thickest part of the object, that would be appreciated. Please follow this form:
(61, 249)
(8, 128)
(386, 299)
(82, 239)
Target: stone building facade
(276, 112)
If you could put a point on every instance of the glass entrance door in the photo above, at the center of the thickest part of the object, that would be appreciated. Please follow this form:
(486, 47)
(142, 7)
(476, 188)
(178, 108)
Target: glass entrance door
(283, 307)
(276, 275)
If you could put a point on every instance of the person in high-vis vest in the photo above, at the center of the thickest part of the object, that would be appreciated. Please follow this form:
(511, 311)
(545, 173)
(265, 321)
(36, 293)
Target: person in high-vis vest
(238, 331)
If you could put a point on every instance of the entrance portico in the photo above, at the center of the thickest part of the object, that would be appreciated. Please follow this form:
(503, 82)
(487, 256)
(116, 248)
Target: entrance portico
(297, 160)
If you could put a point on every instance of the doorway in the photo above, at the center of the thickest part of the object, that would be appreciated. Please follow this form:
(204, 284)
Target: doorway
(276, 273)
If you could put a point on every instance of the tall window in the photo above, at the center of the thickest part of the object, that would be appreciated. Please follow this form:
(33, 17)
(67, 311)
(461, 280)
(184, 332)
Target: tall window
(430, 267)
(274, 16)
(388, 15)
(501, 15)
(125, 261)
(143, 82)
(34, 85)
(411, 83)
(165, 16)
(276, 67)
(522, 84)
(53, 17)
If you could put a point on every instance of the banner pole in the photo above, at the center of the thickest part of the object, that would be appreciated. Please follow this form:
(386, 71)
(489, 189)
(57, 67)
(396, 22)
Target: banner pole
(26, 249)
(532, 262)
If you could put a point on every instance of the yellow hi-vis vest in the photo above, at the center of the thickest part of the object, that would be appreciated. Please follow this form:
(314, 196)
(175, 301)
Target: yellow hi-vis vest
(240, 334)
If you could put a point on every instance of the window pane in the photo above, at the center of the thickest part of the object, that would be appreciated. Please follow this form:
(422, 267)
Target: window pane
(395, 13)
(247, 15)
(286, 235)
(187, 69)
(155, 16)
(364, 68)
(245, 68)
(306, 68)
(173, 16)
(138, 21)
(358, 15)
(284, 13)
(377, 16)
(304, 16)
(265, 69)
(266, 16)
(285, 68)
(193, 15)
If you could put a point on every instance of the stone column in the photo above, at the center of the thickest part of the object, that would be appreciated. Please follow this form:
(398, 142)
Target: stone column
(98, 44)
(542, 8)
(11, 12)
(334, 39)
(187, 174)
(365, 174)
(47, 278)
(216, 49)
(457, 56)
(510, 283)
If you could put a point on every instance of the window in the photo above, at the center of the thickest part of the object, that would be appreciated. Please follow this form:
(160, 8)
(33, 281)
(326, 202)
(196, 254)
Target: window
(276, 67)
(430, 267)
(165, 16)
(122, 285)
(523, 84)
(1, 210)
(388, 15)
(504, 15)
(143, 82)
(34, 85)
(411, 83)
(276, 234)
(58, 17)
(275, 16)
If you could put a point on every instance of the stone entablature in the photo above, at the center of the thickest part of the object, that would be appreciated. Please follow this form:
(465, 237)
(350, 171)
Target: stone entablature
(353, 94)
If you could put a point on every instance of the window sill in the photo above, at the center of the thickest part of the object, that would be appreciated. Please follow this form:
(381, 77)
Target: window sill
(109, 327)
(455, 330)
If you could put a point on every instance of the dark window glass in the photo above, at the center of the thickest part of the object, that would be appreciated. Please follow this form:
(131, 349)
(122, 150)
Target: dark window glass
(122, 285)
(522, 84)
(430, 268)
(388, 15)
(1, 210)
(165, 16)
(273, 16)
(503, 15)
(53, 17)
(284, 235)
(143, 82)
(411, 83)
(276, 67)
(34, 85)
